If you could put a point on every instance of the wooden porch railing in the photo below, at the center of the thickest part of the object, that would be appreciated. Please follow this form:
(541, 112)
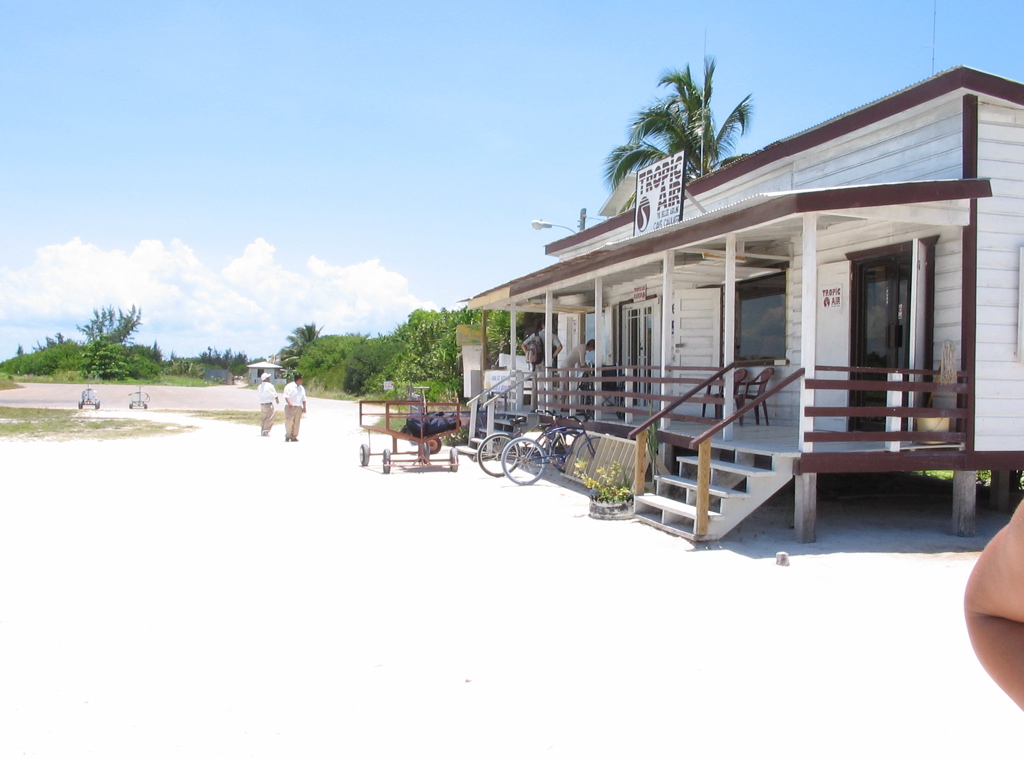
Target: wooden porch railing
(909, 398)
(909, 393)
(560, 389)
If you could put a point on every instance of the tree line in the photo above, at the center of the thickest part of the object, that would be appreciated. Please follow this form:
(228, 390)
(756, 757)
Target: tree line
(422, 351)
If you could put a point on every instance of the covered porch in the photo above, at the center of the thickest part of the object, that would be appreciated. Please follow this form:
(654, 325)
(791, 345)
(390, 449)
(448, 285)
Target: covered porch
(674, 293)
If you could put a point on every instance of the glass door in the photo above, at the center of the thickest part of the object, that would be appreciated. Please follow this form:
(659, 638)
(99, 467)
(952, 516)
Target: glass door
(881, 325)
(639, 347)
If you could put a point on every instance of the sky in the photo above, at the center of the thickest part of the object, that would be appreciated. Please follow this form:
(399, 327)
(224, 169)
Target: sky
(239, 169)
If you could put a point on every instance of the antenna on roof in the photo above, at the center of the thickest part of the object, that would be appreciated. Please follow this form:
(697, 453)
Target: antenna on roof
(935, 14)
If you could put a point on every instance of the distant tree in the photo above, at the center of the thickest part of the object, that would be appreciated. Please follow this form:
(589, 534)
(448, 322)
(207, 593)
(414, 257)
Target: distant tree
(300, 338)
(682, 120)
(105, 360)
(57, 339)
(324, 359)
(234, 362)
(431, 356)
(60, 357)
(369, 363)
(112, 328)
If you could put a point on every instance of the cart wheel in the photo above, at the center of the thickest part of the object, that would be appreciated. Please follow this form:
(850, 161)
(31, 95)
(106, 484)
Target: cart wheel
(453, 457)
(364, 454)
(386, 455)
(433, 446)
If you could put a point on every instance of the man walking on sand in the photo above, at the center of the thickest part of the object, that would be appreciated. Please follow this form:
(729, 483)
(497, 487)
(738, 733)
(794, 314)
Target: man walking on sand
(267, 394)
(294, 408)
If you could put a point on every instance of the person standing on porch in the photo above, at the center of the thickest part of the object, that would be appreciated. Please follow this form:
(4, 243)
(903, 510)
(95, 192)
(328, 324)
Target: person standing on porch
(267, 394)
(294, 408)
(536, 343)
(576, 364)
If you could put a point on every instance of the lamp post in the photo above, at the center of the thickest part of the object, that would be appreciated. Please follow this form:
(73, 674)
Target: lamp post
(538, 224)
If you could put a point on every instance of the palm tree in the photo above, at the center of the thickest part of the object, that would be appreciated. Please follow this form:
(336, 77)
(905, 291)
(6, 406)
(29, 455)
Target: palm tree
(298, 341)
(680, 121)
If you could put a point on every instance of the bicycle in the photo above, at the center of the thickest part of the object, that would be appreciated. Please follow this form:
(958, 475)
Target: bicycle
(488, 453)
(525, 459)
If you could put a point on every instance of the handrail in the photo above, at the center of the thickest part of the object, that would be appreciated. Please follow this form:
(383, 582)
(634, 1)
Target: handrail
(679, 401)
(476, 398)
(708, 433)
(703, 445)
(475, 405)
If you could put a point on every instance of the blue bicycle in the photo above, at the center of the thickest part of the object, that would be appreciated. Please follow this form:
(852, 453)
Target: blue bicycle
(525, 459)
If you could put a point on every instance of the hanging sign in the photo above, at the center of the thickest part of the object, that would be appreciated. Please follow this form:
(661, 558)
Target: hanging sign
(659, 194)
(469, 334)
(639, 293)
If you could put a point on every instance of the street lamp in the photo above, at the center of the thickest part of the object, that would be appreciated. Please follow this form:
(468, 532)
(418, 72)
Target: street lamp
(538, 224)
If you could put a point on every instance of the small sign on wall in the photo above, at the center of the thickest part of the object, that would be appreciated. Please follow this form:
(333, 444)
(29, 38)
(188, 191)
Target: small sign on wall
(832, 298)
(639, 293)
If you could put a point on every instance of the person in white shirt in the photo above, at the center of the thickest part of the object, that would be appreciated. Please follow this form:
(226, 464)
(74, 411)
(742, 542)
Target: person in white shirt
(577, 357)
(294, 407)
(577, 366)
(267, 394)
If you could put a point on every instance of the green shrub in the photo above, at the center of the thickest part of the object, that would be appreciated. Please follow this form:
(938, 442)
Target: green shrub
(106, 360)
(66, 356)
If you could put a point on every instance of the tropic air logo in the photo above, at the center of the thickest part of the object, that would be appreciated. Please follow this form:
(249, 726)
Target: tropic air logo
(643, 213)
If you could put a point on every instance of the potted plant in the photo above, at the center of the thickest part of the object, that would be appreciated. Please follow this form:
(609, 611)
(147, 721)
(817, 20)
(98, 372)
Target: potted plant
(946, 376)
(611, 492)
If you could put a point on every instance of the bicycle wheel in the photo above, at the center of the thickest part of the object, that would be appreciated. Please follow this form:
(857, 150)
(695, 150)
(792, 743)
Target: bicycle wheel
(523, 461)
(488, 455)
(563, 444)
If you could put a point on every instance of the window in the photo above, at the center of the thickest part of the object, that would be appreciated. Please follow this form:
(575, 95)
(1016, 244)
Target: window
(761, 318)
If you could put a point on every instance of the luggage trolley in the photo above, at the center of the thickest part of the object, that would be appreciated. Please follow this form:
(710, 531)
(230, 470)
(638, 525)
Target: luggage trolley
(89, 398)
(138, 399)
(422, 423)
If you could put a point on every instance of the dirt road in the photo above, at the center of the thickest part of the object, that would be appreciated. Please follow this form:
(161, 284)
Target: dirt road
(44, 395)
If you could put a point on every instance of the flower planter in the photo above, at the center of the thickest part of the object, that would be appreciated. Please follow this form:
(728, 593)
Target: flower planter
(931, 424)
(606, 510)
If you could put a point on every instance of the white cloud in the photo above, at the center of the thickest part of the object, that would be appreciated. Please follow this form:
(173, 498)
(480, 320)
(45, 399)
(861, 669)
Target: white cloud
(252, 304)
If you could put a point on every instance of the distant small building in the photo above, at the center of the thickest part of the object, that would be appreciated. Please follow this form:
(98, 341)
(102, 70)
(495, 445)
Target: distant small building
(256, 371)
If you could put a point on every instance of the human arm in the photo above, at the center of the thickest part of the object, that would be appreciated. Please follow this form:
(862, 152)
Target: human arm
(994, 608)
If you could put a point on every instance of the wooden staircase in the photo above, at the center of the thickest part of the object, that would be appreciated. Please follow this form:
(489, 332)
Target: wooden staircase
(740, 481)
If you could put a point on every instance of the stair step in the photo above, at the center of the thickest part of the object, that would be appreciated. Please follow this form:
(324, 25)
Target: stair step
(670, 504)
(716, 490)
(729, 466)
(466, 450)
(672, 516)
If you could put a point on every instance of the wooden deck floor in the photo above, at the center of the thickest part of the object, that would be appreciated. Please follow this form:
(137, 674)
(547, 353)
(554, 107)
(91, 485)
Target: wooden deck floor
(782, 439)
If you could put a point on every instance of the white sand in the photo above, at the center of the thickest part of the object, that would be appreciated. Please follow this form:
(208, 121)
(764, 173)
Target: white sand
(219, 594)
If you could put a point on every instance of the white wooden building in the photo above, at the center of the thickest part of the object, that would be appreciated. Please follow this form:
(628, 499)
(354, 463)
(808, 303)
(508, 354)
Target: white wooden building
(849, 258)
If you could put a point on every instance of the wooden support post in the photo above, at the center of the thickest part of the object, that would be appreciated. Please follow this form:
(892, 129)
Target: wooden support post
(703, 488)
(805, 509)
(999, 490)
(640, 469)
(965, 497)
